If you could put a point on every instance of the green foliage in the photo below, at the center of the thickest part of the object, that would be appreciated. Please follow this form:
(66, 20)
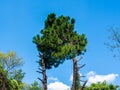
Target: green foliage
(101, 86)
(10, 61)
(59, 41)
(26, 86)
(33, 86)
(10, 77)
(18, 75)
(13, 84)
(2, 72)
(7, 83)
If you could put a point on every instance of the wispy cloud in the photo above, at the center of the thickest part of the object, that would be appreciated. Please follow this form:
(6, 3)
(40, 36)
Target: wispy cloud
(52, 79)
(58, 86)
(94, 78)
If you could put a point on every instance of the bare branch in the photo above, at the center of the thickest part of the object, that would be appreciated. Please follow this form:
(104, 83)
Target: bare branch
(82, 88)
(82, 81)
(82, 76)
(40, 80)
(116, 36)
(39, 71)
(81, 66)
(79, 59)
(40, 55)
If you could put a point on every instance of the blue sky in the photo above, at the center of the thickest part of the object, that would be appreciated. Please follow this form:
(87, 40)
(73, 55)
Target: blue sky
(20, 20)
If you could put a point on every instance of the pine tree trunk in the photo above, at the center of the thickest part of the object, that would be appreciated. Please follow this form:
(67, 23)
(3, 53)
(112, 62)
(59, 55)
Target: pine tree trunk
(75, 70)
(76, 77)
(44, 81)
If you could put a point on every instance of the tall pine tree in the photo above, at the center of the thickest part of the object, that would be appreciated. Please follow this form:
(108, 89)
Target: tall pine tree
(58, 42)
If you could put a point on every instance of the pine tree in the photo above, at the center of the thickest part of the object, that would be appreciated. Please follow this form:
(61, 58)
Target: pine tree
(58, 42)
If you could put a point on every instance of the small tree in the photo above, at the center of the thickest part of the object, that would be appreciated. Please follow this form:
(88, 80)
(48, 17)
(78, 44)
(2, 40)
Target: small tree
(114, 40)
(33, 86)
(13, 77)
(10, 61)
(7, 83)
(18, 75)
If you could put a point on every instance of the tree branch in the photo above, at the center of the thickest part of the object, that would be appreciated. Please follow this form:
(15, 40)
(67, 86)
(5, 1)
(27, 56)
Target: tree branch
(81, 66)
(79, 59)
(82, 88)
(39, 71)
(40, 80)
(82, 76)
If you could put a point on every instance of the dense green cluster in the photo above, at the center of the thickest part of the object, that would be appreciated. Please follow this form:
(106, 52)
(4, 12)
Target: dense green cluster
(59, 41)
(33, 86)
(10, 77)
(7, 83)
(101, 86)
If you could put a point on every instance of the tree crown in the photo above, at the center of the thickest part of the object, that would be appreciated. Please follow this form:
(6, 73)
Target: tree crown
(59, 41)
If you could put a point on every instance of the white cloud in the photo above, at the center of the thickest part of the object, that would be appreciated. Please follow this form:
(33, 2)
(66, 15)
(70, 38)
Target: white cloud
(52, 79)
(94, 78)
(58, 86)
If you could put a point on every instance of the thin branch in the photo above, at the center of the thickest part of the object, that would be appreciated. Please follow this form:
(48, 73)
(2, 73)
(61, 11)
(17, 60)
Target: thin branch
(82, 88)
(82, 81)
(82, 76)
(39, 71)
(40, 80)
(81, 66)
(116, 36)
(79, 59)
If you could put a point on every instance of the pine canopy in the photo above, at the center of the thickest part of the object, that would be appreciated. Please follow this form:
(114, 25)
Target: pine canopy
(58, 40)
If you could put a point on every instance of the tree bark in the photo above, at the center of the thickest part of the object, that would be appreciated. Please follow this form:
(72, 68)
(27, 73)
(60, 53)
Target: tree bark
(4, 81)
(76, 76)
(75, 73)
(44, 81)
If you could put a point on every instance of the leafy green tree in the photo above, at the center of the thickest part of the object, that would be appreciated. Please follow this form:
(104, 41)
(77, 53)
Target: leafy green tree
(59, 41)
(101, 86)
(18, 75)
(13, 84)
(33, 86)
(3, 79)
(7, 83)
(26, 86)
(9, 63)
